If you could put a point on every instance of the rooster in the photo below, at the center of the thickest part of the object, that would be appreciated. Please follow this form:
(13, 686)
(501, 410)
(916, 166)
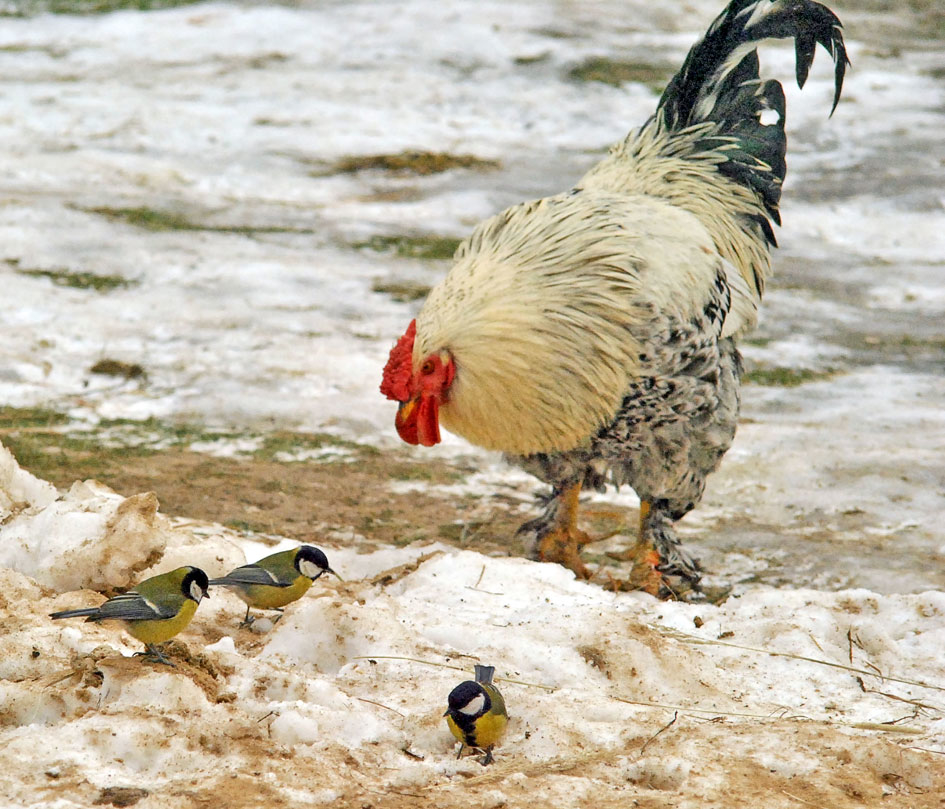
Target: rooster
(590, 336)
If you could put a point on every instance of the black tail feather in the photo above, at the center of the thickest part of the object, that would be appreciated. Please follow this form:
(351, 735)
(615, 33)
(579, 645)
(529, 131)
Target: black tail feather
(745, 22)
(719, 83)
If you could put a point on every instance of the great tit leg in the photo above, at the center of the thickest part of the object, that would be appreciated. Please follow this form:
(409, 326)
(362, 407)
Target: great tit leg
(487, 758)
(461, 748)
(247, 621)
(155, 655)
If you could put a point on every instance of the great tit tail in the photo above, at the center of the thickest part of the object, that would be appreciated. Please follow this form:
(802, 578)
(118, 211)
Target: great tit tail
(484, 674)
(83, 613)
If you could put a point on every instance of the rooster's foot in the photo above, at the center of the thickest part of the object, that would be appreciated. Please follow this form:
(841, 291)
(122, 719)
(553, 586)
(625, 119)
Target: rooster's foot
(649, 573)
(562, 545)
(555, 534)
(659, 565)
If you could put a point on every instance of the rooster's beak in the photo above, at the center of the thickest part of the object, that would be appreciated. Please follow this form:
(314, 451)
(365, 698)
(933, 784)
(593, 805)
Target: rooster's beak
(418, 421)
(406, 421)
(406, 408)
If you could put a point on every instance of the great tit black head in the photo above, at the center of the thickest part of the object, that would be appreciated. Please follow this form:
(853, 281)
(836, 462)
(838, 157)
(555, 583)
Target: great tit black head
(468, 700)
(476, 715)
(195, 584)
(312, 562)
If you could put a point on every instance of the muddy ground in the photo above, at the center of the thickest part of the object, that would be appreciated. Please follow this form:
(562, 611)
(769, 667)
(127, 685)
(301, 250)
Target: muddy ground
(349, 500)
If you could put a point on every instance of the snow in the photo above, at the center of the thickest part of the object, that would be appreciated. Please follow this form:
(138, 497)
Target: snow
(362, 666)
(231, 115)
(20, 487)
(90, 537)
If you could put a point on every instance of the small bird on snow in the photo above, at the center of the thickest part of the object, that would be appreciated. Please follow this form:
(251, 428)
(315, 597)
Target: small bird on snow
(476, 714)
(277, 580)
(154, 611)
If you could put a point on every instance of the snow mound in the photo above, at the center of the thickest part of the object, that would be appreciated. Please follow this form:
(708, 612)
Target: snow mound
(92, 538)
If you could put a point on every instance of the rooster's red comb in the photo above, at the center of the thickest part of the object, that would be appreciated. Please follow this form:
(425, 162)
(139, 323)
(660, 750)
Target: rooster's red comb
(399, 369)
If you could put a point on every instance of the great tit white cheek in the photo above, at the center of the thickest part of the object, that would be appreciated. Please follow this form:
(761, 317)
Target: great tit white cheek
(196, 591)
(474, 705)
(310, 569)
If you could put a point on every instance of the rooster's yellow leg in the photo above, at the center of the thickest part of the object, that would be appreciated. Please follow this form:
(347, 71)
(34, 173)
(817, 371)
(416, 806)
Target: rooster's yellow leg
(563, 542)
(644, 513)
(644, 557)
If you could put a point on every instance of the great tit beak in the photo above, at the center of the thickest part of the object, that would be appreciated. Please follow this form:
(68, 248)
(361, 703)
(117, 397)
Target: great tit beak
(446, 712)
(329, 570)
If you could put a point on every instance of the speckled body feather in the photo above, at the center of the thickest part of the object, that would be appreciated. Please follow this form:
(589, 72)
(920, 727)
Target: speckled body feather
(549, 308)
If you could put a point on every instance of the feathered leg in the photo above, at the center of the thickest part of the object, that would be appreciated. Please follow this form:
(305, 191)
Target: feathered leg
(660, 566)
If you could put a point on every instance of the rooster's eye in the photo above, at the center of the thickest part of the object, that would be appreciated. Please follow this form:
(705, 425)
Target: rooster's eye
(427, 367)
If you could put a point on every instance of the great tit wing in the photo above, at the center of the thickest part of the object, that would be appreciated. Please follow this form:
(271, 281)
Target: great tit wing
(132, 606)
(252, 574)
(498, 703)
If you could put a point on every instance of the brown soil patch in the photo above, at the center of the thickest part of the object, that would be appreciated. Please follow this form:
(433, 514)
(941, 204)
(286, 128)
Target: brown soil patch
(306, 501)
(309, 501)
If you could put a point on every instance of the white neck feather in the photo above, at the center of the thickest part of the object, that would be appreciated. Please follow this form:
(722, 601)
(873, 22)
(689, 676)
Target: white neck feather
(541, 310)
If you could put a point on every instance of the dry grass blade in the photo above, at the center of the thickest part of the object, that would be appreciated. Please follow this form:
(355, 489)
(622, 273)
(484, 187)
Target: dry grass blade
(549, 688)
(395, 574)
(915, 702)
(381, 705)
(883, 726)
(665, 727)
(695, 709)
(905, 729)
(683, 636)
(799, 800)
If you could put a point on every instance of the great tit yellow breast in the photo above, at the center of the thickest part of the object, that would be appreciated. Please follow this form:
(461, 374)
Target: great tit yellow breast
(160, 630)
(456, 730)
(264, 596)
(488, 730)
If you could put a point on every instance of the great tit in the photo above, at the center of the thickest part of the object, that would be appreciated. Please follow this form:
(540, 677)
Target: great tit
(476, 714)
(155, 610)
(277, 580)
